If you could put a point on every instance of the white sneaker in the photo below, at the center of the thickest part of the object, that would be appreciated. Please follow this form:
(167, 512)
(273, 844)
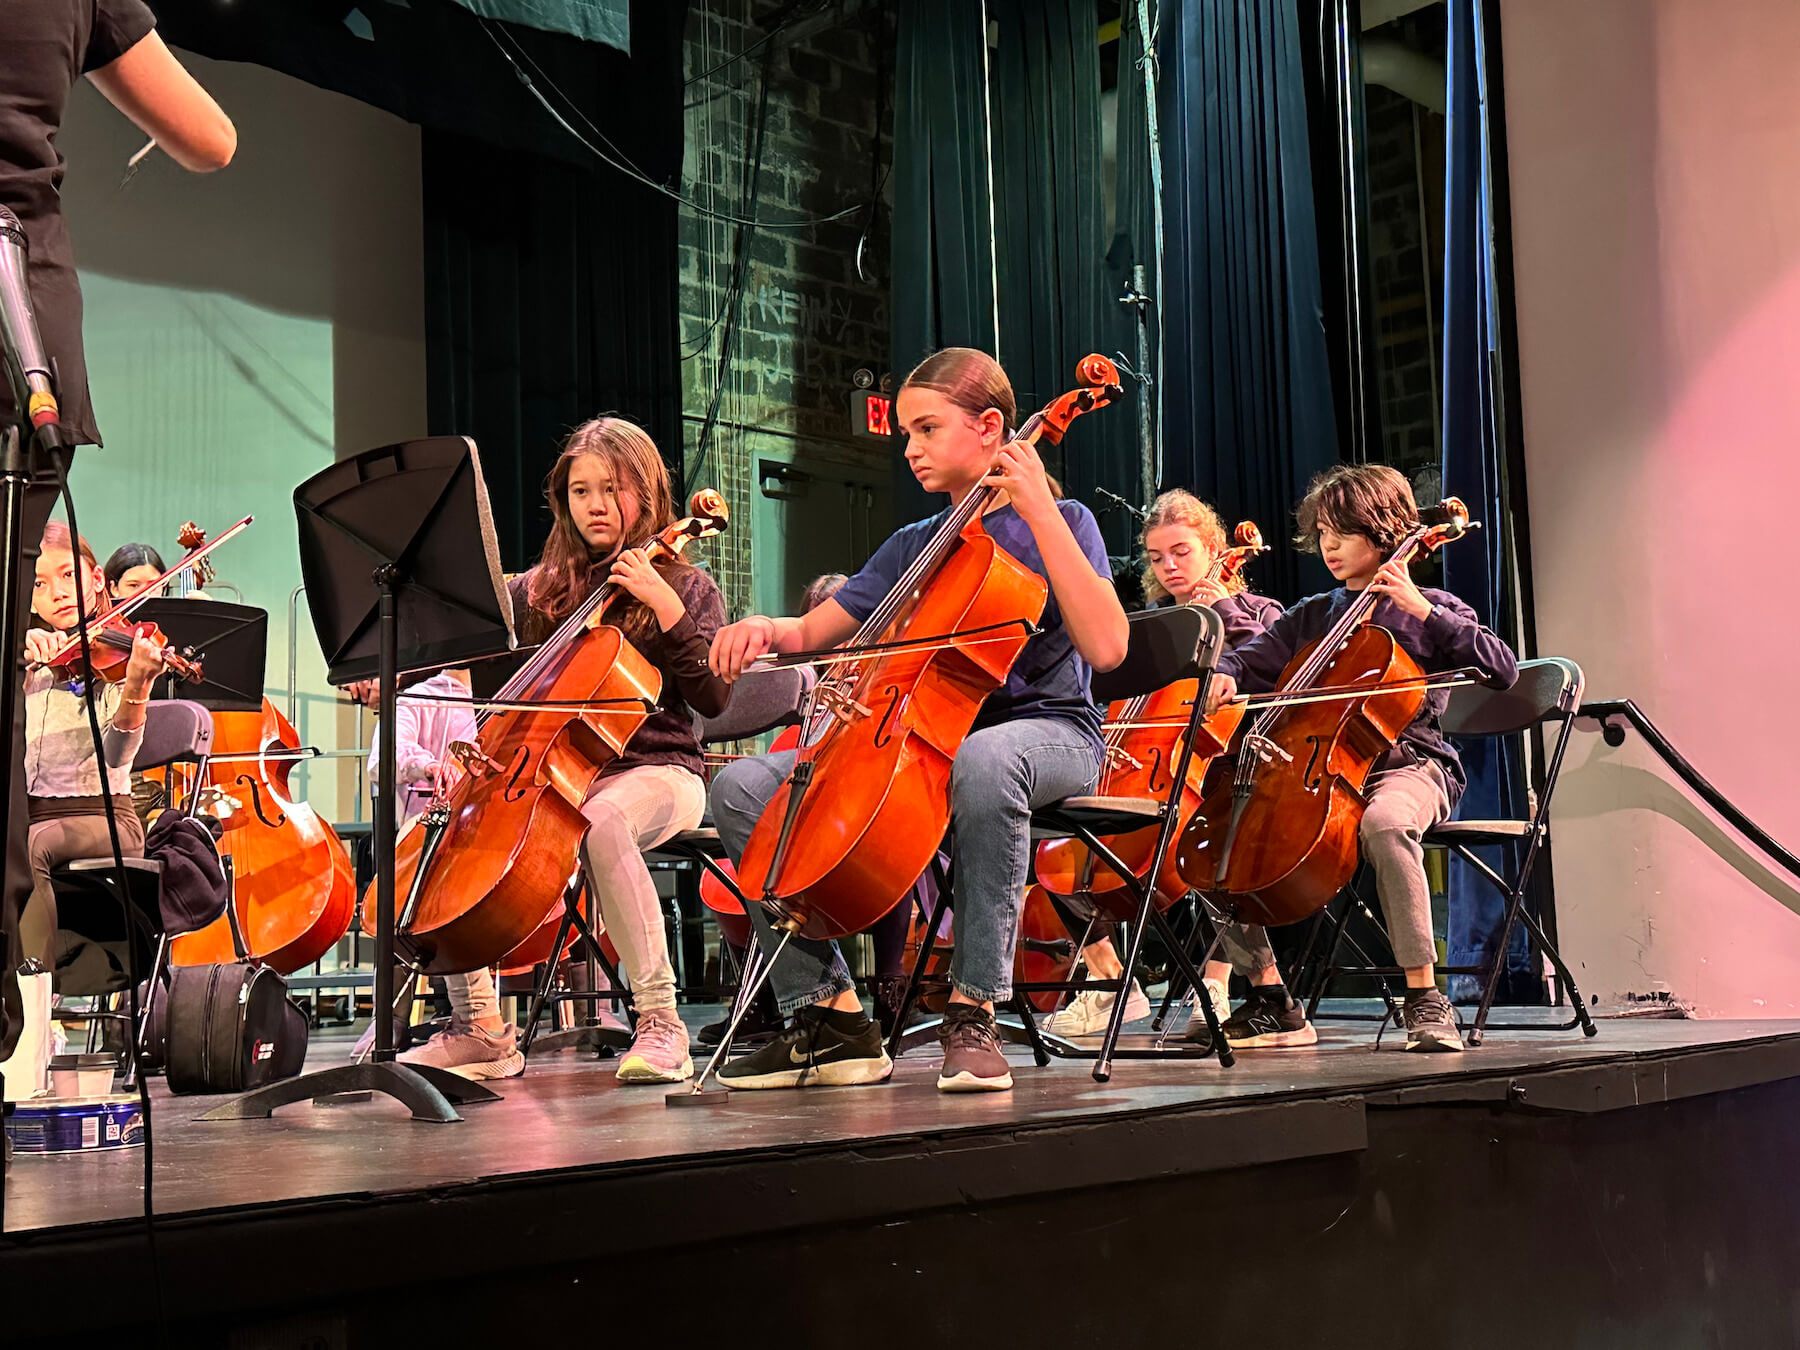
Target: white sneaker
(1196, 1023)
(471, 1052)
(1089, 1012)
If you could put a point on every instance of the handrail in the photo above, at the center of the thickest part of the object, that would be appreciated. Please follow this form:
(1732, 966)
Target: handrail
(1615, 735)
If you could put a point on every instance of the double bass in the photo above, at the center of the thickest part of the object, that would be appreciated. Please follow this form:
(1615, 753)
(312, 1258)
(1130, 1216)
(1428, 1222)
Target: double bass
(868, 802)
(1279, 839)
(484, 870)
(1143, 746)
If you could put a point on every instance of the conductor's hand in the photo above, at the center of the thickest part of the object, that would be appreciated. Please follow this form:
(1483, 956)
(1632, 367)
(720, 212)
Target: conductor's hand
(1220, 692)
(736, 645)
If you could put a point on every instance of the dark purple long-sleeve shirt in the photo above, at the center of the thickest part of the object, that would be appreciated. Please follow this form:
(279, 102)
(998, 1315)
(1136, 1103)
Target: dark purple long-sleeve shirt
(1449, 638)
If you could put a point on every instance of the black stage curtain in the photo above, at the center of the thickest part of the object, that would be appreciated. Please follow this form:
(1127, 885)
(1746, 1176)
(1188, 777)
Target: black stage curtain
(551, 289)
(1247, 400)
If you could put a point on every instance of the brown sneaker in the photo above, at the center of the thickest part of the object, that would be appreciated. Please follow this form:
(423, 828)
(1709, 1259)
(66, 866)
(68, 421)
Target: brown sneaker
(972, 1058)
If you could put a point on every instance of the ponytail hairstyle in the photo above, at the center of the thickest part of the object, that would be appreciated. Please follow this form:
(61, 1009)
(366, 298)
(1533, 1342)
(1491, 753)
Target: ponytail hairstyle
(1177, 507)
(568, 572)
(970, 379)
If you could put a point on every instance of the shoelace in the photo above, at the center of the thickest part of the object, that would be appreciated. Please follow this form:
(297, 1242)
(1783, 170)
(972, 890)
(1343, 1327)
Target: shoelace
(973, 1028)
(1434, 1007)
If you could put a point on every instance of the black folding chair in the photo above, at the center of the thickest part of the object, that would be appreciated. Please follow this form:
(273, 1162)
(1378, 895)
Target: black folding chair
(1547, 691)
(1176, 643)
(91, 905)
(760, 701)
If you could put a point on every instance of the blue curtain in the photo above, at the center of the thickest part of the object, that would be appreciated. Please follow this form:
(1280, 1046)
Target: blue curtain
(1476, 570)
(1248, 415)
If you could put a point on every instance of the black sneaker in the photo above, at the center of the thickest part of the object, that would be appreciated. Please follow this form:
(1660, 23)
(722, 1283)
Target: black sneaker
(1269, 1020)
(1430, 1022)
(761, 1024)
(814, 1052)
(972, 1058)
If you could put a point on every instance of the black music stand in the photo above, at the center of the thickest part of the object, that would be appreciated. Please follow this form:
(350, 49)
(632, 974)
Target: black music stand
(231, 642)
(395, 581)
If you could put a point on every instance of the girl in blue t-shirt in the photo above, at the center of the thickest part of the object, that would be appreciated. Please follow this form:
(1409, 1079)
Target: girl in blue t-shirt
(1035, 741)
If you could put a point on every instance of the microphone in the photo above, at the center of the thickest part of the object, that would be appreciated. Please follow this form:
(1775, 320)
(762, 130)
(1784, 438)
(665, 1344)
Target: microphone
(1117, 501)
(19, 331)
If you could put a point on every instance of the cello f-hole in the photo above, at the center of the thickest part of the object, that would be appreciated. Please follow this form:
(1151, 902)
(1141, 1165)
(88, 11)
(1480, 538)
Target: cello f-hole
(515, 790)
(256, 802)
(895, 696)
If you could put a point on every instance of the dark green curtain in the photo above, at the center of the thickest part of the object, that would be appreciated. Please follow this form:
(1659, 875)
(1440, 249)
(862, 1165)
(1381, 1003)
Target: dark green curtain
(607, 21)
(551, 288)
(942, 268)
(1247, 401)
(1056, 299)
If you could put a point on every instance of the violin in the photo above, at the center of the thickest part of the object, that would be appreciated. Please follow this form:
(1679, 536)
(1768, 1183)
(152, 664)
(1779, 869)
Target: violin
(1280, 838)
(1143, 745)
(868, 802)
(293, 888)
(484, 869)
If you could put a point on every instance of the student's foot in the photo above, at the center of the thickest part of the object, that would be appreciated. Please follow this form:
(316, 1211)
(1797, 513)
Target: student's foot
(1089, 1011)
(1197, 1030)
(1430, 1022)
(821, 1048)
(759, 1024)
(1269, 1020)
(471, 1052)
(972, 1058)
(659, 1051)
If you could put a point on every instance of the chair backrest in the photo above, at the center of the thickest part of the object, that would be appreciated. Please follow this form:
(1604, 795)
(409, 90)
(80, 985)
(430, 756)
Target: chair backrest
(760, 701)
(1549, 687)
(174, 729)
(1176, 642)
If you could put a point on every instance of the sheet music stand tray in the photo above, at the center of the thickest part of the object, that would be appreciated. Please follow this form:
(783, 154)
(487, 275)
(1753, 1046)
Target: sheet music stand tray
(393, 584)
(230, 641)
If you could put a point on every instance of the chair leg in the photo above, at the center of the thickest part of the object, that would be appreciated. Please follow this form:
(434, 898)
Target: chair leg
(1577, 1006)
(541, 994)
(897, 1041)
(1226, 1057)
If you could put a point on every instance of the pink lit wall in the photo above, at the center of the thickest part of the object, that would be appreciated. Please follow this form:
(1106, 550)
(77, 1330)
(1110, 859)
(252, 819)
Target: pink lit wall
(1655, 165)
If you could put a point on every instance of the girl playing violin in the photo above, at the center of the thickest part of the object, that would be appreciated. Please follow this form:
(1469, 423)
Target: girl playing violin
(63, 782)
(1183, 538)
(609, 493)
(1036, 740)
(1355, 516)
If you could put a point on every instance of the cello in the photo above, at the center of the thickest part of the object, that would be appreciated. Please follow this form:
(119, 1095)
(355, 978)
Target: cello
(484, 869)
(293, 889)
(1143, 744)
(868, 801)
(1279, 840)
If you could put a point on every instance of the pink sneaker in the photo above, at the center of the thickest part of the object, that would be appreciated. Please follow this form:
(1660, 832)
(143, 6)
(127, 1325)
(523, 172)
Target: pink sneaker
(471, 1052)
(659, 1052)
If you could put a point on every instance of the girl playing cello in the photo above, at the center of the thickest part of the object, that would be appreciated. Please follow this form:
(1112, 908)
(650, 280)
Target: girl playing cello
(609, 492)
(1036, 739)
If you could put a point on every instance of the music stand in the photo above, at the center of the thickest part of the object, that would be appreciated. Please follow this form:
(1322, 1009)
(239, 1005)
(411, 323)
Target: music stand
(230, 641)
(394, 582)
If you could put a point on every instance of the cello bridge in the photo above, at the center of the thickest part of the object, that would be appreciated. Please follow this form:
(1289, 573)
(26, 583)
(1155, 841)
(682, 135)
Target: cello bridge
(838, 703)
(1118, 757)
(473, 759)
(1265, 749)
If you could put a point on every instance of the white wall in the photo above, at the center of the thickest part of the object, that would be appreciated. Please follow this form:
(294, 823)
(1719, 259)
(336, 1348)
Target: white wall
(1655, 163)
(243, 328)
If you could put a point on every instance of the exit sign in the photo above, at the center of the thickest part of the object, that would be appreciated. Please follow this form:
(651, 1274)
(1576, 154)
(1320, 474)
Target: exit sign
(871, 414)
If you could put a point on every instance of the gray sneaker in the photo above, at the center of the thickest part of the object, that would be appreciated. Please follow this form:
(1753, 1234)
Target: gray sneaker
(1430, 1022)
(972, 1058)
(471, 1052)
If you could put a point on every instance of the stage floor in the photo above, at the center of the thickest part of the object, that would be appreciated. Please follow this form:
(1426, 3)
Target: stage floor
(569, 1116)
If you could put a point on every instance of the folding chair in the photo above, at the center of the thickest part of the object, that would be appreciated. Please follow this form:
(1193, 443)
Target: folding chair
(89, 902)
(1176, 643)
(760, 701)
(1547, 690)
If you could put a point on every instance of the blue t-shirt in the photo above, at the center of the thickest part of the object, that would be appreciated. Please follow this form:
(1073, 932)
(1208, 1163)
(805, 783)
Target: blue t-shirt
(1049, 679)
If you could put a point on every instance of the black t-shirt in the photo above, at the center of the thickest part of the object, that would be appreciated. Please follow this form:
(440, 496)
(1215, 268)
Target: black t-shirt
(45, 47)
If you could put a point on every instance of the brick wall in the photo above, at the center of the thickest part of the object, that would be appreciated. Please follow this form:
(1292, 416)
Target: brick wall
(808, 321)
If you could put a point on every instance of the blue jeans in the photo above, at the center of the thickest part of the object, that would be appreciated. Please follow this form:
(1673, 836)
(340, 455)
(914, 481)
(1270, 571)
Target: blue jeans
(1002, 773)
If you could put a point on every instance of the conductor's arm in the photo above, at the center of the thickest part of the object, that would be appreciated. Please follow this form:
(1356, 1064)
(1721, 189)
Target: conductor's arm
(155, 91)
